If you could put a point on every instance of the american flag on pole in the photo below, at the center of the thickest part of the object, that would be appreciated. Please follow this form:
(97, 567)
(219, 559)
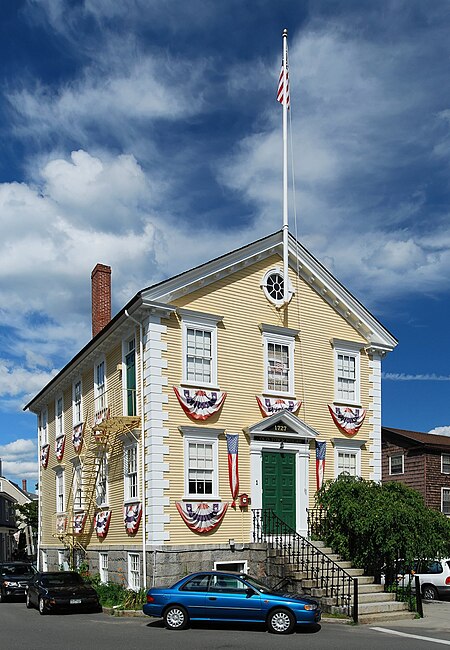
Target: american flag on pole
(233, 473)
(320, 462)
(283, 85)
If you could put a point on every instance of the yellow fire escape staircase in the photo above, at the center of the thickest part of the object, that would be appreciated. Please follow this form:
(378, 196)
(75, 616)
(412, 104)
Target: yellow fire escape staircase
(100, 439)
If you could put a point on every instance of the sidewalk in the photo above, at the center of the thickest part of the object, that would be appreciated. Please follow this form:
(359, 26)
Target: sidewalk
(436, 617)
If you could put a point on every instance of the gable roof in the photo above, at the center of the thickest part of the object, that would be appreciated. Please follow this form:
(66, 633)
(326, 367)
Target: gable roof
(158, 298)
(417, 438)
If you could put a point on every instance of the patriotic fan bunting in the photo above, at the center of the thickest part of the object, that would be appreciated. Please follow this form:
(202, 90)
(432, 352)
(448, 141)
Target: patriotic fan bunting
(45, 450)
(233, 473)
(60, 443)
(271, 405)
(199, 404)
(132, 516)
(320, 462)
(101, 415)
(202, 517)
(77, 437)
(101, 523)
(347, 419)
(61, 523)
(78, 523)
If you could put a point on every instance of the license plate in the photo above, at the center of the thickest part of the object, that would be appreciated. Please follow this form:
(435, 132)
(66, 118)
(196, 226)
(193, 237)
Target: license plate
(75, 601)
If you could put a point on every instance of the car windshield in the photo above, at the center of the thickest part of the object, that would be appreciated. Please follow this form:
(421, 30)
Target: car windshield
(17, 570)
(62, 580)
(257, 584)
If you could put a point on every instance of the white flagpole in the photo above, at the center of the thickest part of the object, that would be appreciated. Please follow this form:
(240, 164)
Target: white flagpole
(285, 175)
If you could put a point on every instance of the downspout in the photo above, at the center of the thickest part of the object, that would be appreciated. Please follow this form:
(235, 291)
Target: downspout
(141, 354)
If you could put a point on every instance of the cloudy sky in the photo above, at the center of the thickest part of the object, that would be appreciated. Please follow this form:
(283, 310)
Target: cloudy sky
(145, 135)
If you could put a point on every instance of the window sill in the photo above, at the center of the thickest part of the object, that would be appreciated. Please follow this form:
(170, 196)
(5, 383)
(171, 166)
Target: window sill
(355, 405)
(199, 385)
(276, 393)
(131, 502)
(200, 499)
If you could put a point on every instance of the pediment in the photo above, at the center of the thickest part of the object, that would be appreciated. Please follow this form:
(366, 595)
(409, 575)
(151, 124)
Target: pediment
(283, 425)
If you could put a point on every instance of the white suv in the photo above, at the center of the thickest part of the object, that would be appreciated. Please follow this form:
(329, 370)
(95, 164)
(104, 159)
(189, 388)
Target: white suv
(434, 576)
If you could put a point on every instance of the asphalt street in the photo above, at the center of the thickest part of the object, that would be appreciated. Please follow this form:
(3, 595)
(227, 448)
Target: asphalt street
(22, 629)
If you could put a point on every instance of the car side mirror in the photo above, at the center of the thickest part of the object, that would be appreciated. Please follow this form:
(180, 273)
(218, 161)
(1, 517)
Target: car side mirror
(250, 592)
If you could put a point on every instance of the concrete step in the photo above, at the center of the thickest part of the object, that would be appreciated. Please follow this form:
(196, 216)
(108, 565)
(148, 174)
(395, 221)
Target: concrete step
(365, 580)
(376, 596)
(385, 617)
(369, 588)
(381, 606)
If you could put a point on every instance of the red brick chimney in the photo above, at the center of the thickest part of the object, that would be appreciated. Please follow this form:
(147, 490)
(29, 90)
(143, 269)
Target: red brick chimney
(24, 484)
(101, 297)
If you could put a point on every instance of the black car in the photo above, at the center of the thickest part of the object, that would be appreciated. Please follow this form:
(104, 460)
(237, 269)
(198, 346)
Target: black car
(61, 590)
(14, 579)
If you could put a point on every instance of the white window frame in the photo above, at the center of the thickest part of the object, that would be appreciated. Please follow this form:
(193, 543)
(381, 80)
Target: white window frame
(103, 567)
(102, 477)
(43, 427)
(403, 464)
(206, 323)
(134, 571)
(63, 561)
(44, 560)
(77, 407)
(348, 349)
(59, 416)
(343, 445)
(100, 389)
(443, 490)
(60, 490)
(279, 336)
(125, 352)
(442, 463)
(222, 565)
(197, 435)
(127, 481)
(77, 489)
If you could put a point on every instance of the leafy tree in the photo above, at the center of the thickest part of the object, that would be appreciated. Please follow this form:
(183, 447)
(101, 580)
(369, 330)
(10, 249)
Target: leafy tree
(374, 524)
(29, 514)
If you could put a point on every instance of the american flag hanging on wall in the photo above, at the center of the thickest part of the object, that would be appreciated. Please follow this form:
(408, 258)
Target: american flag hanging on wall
(320, 462)
(233, 471)
(348, 420)
(202, 517)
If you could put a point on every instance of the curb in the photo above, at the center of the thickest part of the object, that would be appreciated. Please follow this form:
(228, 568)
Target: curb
(130, 613)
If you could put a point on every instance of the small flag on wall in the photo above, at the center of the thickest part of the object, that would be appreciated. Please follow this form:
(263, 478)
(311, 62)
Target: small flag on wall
(233, 472)
(348, 420)
(320, 462)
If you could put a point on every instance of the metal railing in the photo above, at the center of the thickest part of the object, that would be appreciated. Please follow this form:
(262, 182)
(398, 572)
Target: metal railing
(304, 557)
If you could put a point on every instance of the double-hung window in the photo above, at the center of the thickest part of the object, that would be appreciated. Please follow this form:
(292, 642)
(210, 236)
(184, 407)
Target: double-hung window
(131, 471)
(59, 424)
(347, 456)
(396, 464)
(445, 505)
(101, 485)
(76, 406)
(43, 427)
(134, 571)
(130, 376)
(201, 462)
(199, 348)
(445, 463)
(100, 387)
(77, 485)
(103, 567)
(347, 371)
(60, 490)
(279, 344)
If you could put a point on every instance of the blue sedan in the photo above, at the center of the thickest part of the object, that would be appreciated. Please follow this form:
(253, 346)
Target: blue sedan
(237, 597)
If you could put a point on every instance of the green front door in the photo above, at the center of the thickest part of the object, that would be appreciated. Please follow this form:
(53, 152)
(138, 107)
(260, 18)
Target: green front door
(278, 477)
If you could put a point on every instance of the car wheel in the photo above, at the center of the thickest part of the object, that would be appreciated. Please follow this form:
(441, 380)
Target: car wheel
(28, 601)
(42, 607)
(175, 618)
(429, 592)
(281, 621)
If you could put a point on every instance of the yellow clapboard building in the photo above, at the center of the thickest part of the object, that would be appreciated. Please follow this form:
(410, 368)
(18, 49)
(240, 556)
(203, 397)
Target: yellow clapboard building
(203, 403)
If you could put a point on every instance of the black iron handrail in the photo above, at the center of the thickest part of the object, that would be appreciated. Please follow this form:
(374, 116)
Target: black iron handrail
(304, 557)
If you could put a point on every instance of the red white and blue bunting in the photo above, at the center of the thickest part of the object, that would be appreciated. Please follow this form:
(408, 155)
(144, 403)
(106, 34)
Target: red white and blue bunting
(78, 523)
(348, 420)
(61, 523)
(77, 437)
(60, 443)
(202, 517)
(199, 404)
(271, 405)
(132, 516)
(45, 451)
(99, 417)
(233, 472)
(101, 522)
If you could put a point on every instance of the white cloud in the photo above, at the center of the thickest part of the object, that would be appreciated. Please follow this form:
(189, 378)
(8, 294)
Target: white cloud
(19, 460)
(441, 431)
(400, 376)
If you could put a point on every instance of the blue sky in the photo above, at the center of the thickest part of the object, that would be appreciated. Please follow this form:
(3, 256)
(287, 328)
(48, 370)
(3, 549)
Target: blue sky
(145, 135)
